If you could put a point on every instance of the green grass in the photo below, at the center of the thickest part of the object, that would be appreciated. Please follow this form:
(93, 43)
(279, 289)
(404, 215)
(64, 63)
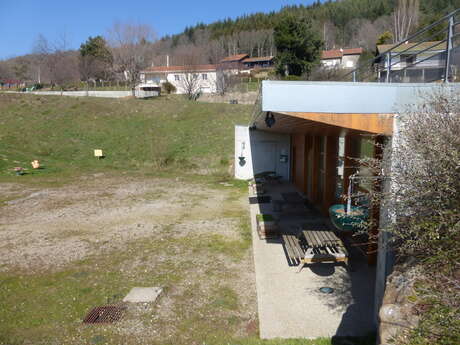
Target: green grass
(167, 134)
(264, 218)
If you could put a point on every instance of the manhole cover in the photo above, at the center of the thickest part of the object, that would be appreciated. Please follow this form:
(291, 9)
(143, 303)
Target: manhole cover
(326, 289)
(105, 314)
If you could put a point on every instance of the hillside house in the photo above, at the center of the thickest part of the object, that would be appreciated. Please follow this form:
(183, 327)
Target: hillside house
(341, 58)
(234, 63)
(258, 62)
(413, 62)
(203, 77)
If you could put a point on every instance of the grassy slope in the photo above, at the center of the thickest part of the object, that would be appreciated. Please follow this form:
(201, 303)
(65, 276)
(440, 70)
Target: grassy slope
(144, 135)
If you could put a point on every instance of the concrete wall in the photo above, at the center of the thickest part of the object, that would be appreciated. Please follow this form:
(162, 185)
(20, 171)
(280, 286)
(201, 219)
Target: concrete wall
(103, 94)
(106, 94)
(262, 151)
(242, 97)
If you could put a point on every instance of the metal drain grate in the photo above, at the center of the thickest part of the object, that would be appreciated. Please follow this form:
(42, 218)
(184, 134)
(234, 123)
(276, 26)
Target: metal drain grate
(105, 314)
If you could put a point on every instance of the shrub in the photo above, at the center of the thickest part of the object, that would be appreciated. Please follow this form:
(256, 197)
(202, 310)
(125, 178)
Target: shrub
(169, 87)
(423, 204)
(292, 77)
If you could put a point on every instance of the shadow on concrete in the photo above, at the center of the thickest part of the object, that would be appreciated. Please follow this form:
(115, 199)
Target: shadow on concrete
(353, 295)
(323, 270)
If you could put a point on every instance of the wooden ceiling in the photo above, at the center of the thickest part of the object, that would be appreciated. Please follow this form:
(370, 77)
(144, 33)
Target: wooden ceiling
(329, 124)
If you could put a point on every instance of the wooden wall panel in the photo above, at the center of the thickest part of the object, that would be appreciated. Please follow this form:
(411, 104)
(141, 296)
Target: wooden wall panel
(298, 173)
(328, 198)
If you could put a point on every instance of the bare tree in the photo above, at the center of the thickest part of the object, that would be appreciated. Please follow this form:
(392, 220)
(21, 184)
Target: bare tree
(190, 79)
(364, 33)
(405, 18)
(329, 35)
(59, 63)
(131, 46)
(216, 50)
(225, 80)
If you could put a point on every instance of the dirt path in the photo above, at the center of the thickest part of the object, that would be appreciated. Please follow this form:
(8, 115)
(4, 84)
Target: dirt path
(46, 229)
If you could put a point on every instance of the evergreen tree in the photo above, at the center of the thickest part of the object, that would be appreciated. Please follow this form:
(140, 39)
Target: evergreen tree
(298, 44)
(95, 59)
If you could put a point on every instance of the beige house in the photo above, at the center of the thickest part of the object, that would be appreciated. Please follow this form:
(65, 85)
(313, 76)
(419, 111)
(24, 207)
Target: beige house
(341, 58)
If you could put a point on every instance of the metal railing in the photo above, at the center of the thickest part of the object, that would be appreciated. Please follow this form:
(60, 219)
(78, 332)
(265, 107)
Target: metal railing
(430, 55)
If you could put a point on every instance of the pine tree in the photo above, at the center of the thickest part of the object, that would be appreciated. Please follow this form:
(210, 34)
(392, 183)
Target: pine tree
(298, 44)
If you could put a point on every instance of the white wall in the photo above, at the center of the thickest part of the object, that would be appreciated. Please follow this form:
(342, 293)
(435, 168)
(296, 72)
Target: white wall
(205, 85)
(208, 85)
(262, 152)
(344, 97)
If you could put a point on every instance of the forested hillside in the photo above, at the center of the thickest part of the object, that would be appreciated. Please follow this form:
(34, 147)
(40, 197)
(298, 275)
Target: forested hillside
(339, 23)
(345, 23)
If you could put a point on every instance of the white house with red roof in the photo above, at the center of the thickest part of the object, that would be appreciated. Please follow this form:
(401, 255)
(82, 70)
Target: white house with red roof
(341, 58)
(203, 77)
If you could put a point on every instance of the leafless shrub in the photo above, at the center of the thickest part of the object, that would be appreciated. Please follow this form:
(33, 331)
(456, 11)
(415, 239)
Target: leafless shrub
(426, 177)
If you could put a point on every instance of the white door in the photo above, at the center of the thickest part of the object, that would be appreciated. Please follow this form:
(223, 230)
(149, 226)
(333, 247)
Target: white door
(265, 158)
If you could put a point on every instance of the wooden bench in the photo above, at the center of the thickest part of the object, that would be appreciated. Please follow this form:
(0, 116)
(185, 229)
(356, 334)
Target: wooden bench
(323, 246)
(294, 251)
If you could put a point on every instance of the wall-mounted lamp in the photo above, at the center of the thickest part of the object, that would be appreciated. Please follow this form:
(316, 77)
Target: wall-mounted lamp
(241, 158)
(270, 120)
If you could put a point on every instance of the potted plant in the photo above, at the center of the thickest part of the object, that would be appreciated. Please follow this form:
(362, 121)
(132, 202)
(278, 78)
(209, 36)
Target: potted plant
(267, 226)
(348, 220)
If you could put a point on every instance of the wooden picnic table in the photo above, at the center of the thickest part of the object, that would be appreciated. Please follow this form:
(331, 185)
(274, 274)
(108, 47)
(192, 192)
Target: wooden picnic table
(317, 243)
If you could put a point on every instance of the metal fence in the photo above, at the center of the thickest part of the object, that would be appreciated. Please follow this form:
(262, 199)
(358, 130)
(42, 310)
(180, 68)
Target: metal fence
(430, 55)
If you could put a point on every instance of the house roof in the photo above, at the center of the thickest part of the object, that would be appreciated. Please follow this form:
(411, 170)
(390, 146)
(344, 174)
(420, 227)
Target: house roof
(412, 47)
(234, 58)
(259, 59)
(338, 53)
(190, 68)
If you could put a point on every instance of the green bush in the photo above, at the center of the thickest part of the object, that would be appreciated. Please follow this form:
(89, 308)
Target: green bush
(169, 88)
(292, 78)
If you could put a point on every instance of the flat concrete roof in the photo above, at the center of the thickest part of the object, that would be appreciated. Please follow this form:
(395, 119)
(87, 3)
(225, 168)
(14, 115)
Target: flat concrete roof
(344, 97)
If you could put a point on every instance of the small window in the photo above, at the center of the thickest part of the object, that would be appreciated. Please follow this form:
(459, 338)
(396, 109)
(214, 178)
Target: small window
(204, 76)
(176, 77)
(408, 58)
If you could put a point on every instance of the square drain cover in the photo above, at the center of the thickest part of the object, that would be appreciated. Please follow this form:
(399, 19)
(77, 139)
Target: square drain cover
(105, 314)
(143, 294)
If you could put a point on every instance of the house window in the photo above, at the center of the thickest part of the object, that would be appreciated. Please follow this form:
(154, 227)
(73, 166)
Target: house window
(176, 77)
(204, 76)
(408, 59)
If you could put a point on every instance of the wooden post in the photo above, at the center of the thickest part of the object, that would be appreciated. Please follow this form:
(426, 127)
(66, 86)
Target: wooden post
(372, 247)
(330, 175)
(348, 163)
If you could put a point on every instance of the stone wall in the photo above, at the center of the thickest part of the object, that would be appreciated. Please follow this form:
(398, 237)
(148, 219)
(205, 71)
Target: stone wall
(242, 97)
(396, 313)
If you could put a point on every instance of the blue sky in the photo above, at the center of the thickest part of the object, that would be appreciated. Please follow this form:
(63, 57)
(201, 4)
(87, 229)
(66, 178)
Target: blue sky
(22, 20)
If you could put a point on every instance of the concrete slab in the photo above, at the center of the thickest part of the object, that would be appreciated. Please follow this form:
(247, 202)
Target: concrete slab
(290, 304)
(143, 294)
